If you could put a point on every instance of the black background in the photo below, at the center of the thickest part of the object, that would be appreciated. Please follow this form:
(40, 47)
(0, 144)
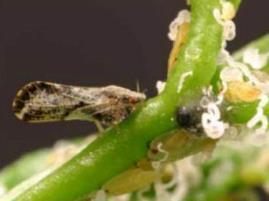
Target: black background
(91, 43)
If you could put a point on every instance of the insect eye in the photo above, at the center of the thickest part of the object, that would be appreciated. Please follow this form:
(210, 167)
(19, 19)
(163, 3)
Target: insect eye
(189, 119)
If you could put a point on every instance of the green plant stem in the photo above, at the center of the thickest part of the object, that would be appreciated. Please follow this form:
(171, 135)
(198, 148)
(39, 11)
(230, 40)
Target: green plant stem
(241, 113)
(195, 57)
(24, 168)
(18, 172)
(122, 146)
(33, 163)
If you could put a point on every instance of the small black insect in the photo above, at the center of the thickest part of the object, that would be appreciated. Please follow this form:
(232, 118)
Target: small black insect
(189, 118)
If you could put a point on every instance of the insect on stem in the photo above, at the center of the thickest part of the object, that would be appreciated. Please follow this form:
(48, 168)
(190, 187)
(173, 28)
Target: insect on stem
(44, 102)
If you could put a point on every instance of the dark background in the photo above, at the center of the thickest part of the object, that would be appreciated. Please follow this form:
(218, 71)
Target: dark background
(91, 43)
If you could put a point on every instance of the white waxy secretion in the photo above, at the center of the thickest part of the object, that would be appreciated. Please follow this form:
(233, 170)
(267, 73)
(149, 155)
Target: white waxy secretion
(160, 85)
(182, 79)
(157, 164)
(183, 16)
(229, 74)
(229, 30)
(256, 60)
(224, 17)
(259, 117)
(211, 122)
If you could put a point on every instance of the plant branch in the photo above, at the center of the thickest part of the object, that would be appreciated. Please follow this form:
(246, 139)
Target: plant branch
(122, 146)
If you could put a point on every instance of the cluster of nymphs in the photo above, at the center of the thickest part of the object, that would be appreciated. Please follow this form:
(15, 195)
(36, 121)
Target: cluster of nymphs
(234, 75)
(209, 120)
(205, 117)
(239, 77)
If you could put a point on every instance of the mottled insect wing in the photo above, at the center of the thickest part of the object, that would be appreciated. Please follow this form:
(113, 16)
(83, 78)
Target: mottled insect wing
(44, 101)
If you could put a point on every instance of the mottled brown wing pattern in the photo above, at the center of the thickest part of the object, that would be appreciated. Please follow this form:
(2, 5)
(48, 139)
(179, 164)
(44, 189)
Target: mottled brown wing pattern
(44, 101)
